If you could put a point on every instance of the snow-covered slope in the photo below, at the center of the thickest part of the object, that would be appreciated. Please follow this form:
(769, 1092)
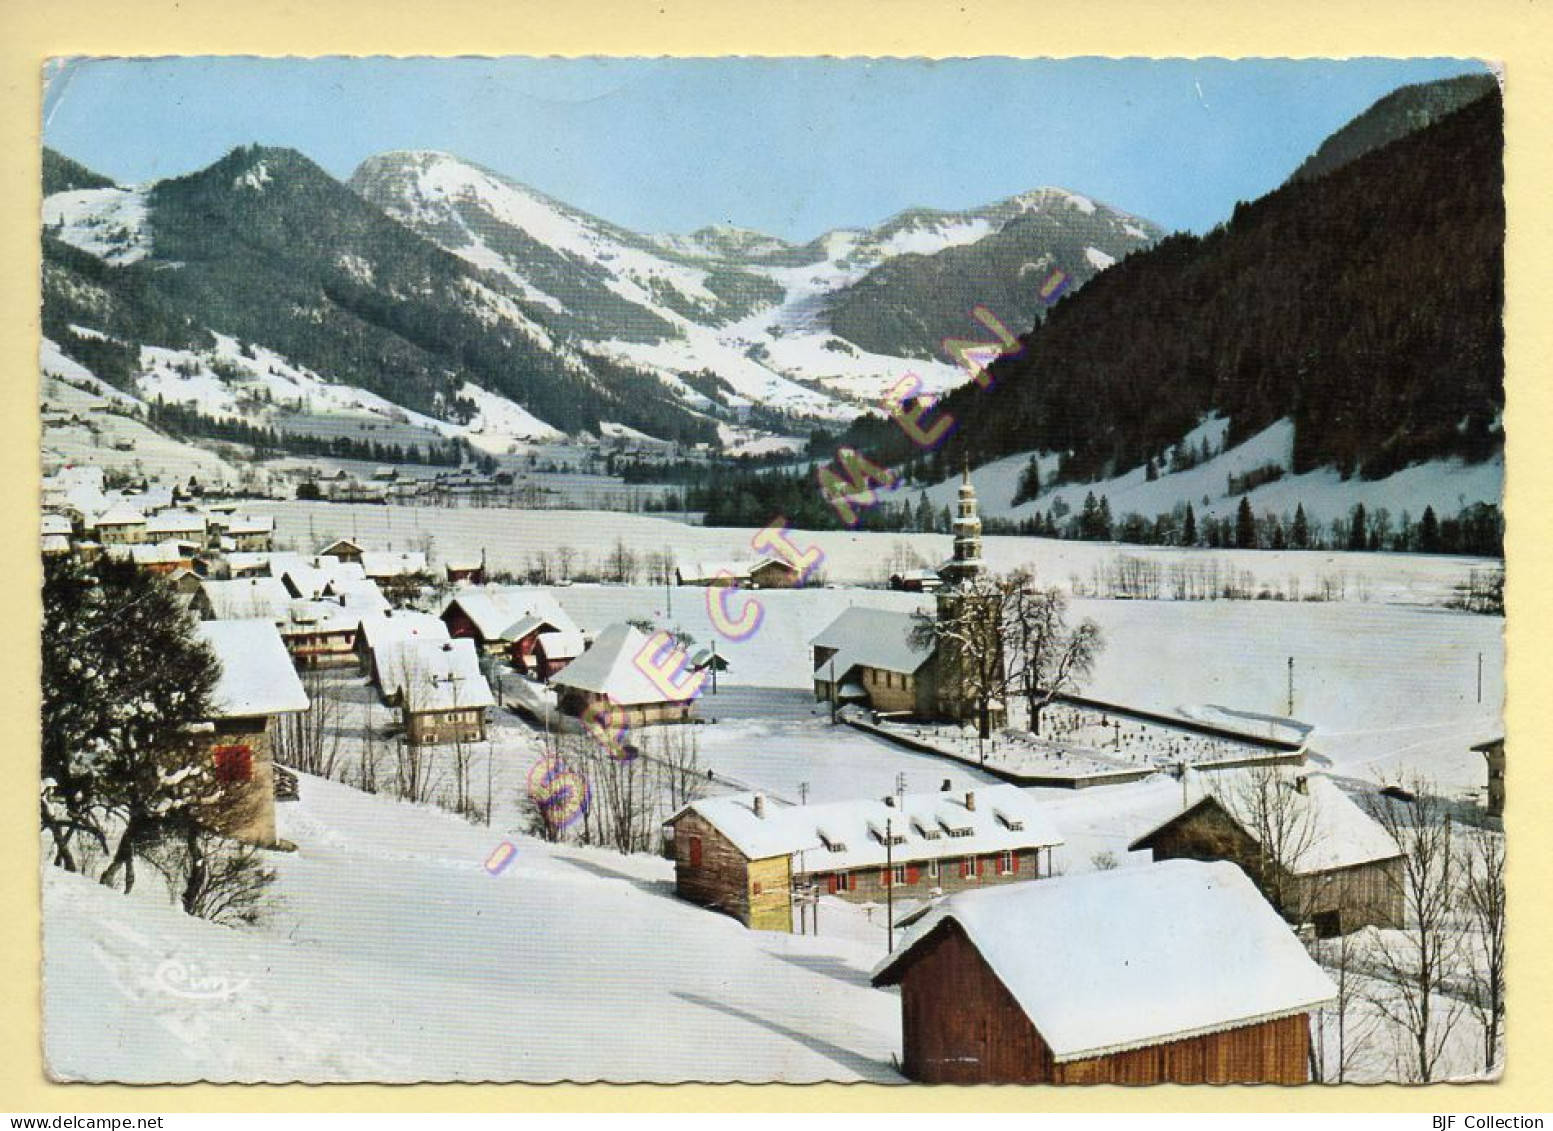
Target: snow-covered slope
(110, 223)
(1446, 485)
(745, 306)
(394, 955)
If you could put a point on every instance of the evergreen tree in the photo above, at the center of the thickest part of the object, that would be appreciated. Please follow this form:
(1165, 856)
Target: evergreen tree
(1189, 527)
(1029, 481)
(1301, 528)
(1245, 525)
(1358, 528)
(1429, 532)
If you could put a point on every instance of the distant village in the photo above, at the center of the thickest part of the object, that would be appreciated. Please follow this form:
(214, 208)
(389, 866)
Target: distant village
(1199, 967)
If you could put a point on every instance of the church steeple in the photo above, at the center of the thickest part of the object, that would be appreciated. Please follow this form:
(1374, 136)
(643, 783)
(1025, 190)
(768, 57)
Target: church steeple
(966, 565)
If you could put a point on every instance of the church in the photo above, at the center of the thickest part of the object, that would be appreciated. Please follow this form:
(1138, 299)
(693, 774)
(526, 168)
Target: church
(877, 658)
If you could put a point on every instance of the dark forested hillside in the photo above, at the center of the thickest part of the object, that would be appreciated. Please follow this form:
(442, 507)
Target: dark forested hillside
(267, 247)
(61, 174)
(1365, 305)
(1398, 114)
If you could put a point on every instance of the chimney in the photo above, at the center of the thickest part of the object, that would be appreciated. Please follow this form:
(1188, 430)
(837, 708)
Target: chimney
(946, 787)
(970, 800)
(1302, 784)
(760, 806)
(890, 801)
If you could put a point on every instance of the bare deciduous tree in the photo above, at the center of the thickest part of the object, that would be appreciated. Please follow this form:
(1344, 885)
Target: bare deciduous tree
(310, 740)
(1417, 963)
(1049, 658)
(1483, 896)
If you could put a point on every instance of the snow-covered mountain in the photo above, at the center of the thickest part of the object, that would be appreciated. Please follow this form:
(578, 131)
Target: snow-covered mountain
(752, 309)
(543, 320)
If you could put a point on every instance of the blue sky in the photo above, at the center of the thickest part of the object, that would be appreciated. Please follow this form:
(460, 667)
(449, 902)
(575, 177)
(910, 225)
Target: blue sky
(792, 147)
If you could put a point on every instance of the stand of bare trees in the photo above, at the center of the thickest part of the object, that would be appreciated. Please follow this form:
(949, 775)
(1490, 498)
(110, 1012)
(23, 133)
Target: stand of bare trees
(311, 741)
(1050, 659)
(1420, 963)
(1483, 897)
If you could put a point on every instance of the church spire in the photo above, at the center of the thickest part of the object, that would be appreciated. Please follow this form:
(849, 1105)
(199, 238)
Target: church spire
(966, 565)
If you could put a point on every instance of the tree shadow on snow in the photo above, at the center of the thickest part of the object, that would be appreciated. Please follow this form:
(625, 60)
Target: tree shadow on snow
(868, 1069)
(651, 887)
(828, 965)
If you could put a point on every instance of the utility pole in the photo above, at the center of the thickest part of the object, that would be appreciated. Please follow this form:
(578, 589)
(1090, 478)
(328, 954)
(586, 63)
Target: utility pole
(1480, 677)
(714, 662)
(833, 691)
(889, 887)
(1290, 711)
(803, 793)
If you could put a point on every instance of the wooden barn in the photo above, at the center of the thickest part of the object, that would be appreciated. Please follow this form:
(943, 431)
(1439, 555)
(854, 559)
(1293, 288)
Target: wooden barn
(470, 570)
(745, 854)
(1178, 972)
(1331, 864)
(608, 677)
(257, 683)
(758, 573)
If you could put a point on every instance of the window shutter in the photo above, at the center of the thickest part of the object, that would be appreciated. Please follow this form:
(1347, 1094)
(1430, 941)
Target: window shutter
(912, 874)
(830, 883)
(695, 852)
(1013, 862)
(884, 877)
(233, 763)
(981, 865)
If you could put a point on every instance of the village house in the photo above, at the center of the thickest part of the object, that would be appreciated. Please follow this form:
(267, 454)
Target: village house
(185, 581)
(54, 545)
(312, 580)
(1340, 870)
(244, 598)
(438, 687)
(251, 532)
(321, 634)
(184, 526)
(119, 525)
(380, 629)
(746, 854)
(509, 621)
(342, 550)
(162, 558)
(870, 656)
(250, 563)
(1178, 972)
(58, 526)
(760, 573)
(382, 565)
(607, 678)
(462, 570)
(257, 683)
(916, 581)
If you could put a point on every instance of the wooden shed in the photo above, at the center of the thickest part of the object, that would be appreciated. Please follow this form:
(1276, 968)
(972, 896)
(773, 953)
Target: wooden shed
(257, 683)
(1178, 972)
(1331, 864)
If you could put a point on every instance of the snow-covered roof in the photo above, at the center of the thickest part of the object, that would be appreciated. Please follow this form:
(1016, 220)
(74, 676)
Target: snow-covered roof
(258, 561)
(1110, 961)
(162, 553)
(875, 638)
(434, 675)
(358, 593)
(1321, 828)
(175, 522)
(247, 597)
(54, 544)
(562, 645)
(312, 579)
(842, 835)
(609, 668)
(307, 617)
(392, 563)
(56, 524)
(497, 609)
(256, 673)
(251, 524)
(379, 628)
(120, 514)
(736, 570)
(340, 545)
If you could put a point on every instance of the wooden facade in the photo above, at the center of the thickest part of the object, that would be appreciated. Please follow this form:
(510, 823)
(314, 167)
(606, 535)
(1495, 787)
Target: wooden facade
(922, 879)
(239, 750)
(320, 648)
(710, 871)
(576, 701)
(458, 724)
(1337, 900)
(961, 1025)
(1493, 753)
